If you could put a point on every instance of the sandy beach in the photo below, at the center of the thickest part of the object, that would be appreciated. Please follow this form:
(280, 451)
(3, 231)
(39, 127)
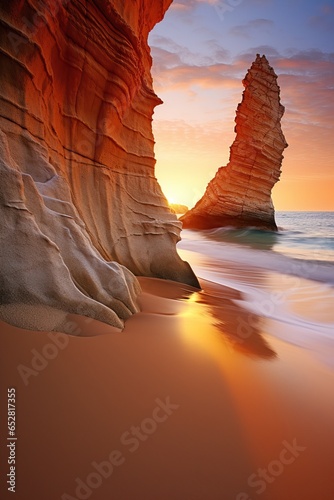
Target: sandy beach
(166, 304)
(195, 399)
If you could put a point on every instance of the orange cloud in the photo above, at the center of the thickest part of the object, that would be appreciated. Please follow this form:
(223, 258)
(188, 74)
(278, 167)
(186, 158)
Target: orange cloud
(195, 149)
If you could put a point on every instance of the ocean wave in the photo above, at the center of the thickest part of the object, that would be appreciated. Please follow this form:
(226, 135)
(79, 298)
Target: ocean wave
(307, 237)
(312, 268)
(294, 296)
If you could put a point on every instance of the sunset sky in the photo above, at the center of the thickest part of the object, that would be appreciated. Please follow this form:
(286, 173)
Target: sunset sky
(202, 50)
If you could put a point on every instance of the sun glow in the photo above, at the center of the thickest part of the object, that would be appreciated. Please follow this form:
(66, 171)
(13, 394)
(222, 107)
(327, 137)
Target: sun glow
(178, 194)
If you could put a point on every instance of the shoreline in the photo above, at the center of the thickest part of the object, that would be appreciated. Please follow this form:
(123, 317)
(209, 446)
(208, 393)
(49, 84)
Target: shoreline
(242, 399)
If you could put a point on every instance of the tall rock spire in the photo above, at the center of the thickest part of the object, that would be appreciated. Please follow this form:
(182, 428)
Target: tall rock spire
(240, 193)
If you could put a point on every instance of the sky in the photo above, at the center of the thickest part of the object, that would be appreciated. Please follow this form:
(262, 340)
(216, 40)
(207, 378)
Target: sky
(201, 52)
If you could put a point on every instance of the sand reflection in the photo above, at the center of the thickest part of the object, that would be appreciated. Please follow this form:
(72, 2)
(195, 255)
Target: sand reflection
(216, 309)
(241, 329)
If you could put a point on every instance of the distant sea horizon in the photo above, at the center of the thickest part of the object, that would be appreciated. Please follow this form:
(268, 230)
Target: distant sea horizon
(303, 245)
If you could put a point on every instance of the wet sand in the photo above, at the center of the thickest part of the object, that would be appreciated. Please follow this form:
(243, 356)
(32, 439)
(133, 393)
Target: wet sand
(195, 400)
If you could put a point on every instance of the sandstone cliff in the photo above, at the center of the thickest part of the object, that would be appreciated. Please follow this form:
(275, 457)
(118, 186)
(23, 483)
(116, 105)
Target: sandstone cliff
(240, 193)
(80, 207)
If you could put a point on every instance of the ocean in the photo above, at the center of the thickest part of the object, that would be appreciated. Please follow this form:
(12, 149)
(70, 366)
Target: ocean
(286, 278)
(303, 245)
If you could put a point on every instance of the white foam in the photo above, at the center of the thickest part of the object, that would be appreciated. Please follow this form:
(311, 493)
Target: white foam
(265, 259)
(295, 295)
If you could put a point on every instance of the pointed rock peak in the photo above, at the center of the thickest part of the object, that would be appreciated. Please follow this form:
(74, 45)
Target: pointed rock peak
(240, 193)
(261, 59)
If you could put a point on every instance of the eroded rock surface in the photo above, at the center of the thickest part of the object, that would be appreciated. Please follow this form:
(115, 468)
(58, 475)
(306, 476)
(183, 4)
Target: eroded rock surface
(240, 193)
(81, 211)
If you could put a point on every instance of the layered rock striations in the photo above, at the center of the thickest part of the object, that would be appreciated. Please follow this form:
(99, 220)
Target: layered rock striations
(240, 193)
(81, 211)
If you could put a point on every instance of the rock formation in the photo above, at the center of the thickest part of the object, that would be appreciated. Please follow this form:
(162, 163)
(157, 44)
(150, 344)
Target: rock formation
(176, 208)
(240, 193)
(80, 207)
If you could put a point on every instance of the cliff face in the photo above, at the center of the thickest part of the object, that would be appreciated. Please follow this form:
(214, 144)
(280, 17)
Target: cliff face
(80, 206)
(240, 193)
